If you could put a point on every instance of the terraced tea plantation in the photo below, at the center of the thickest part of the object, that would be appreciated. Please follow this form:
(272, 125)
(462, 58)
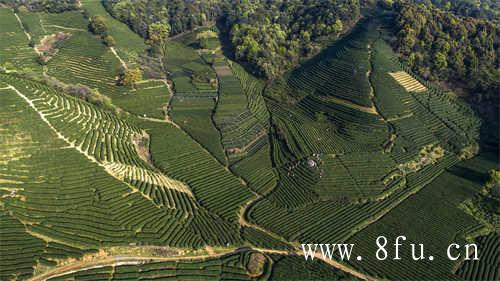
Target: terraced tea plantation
(207, 172)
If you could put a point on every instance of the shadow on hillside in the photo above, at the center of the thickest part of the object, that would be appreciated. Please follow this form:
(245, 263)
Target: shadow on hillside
(469, 174)
(228, 48)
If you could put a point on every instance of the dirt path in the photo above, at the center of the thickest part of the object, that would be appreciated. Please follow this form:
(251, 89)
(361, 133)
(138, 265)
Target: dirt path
(113, 50)
(64, 27)
(115, 261)
(22, 27)
(370, 110)
(134, 260)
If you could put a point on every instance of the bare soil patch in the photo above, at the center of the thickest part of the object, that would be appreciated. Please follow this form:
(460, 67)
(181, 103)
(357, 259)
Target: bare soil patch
(141, 144)
(47, 48)
(223, 71)
(256, 264)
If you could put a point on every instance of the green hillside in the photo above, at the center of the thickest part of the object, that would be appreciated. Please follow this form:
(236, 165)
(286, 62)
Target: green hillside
(166, 156)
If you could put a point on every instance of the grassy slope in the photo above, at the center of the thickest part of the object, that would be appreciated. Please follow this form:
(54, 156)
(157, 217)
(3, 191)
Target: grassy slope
(128, 43)
(15, 53)
(194, 115)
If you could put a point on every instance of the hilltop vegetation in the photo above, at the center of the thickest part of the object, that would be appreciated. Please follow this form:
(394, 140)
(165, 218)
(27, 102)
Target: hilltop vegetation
(43, 5)
(274, 36)
(181, 15)
(439, 45)
(459, 52)
(488, 9)
(270, 36)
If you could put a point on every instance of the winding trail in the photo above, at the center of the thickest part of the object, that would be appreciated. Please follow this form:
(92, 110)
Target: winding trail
(22, 27)
(114, 261)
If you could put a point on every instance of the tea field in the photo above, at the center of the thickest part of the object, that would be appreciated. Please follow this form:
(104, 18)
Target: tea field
(222, 172)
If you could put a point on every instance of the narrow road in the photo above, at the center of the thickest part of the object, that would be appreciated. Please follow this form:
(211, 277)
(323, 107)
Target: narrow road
(134, 260)
(115, 261)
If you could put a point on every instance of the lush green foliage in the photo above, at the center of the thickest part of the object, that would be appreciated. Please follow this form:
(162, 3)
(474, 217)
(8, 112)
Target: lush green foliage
(488, 9)
(180, 15)
(273, 36)
(44, 5)
(324, 140)
(439, 45)
(346, 146)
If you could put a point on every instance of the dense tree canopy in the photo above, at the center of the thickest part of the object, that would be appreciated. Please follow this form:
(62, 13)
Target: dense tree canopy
(270, 36)
(274, 35)
(488, 9)
(181, 15)
(98, 26)
(439, 45)
(52, 6)
(130, 76)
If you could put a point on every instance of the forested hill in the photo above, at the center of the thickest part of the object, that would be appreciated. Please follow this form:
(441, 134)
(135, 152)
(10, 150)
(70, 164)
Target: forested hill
(270, 36)
(274, 35)
(441, 46)
(181, 15)
(487, 9)
(51, 6)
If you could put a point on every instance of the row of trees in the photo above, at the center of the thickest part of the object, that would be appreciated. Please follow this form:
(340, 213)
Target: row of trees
(98, 26)
(51, 6)
(272, 36)
(442, 46)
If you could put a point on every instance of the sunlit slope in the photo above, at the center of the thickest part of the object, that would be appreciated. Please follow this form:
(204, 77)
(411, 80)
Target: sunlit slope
(128, 44)
(318, 132)
(71, 176)
(15, 53)
(351, 149)
(221, 106)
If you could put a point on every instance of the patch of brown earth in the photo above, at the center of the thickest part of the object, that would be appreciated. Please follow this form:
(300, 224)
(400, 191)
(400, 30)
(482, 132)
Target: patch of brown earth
(141, 144)
(47, 48)
(223, 70)
(256, 264)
